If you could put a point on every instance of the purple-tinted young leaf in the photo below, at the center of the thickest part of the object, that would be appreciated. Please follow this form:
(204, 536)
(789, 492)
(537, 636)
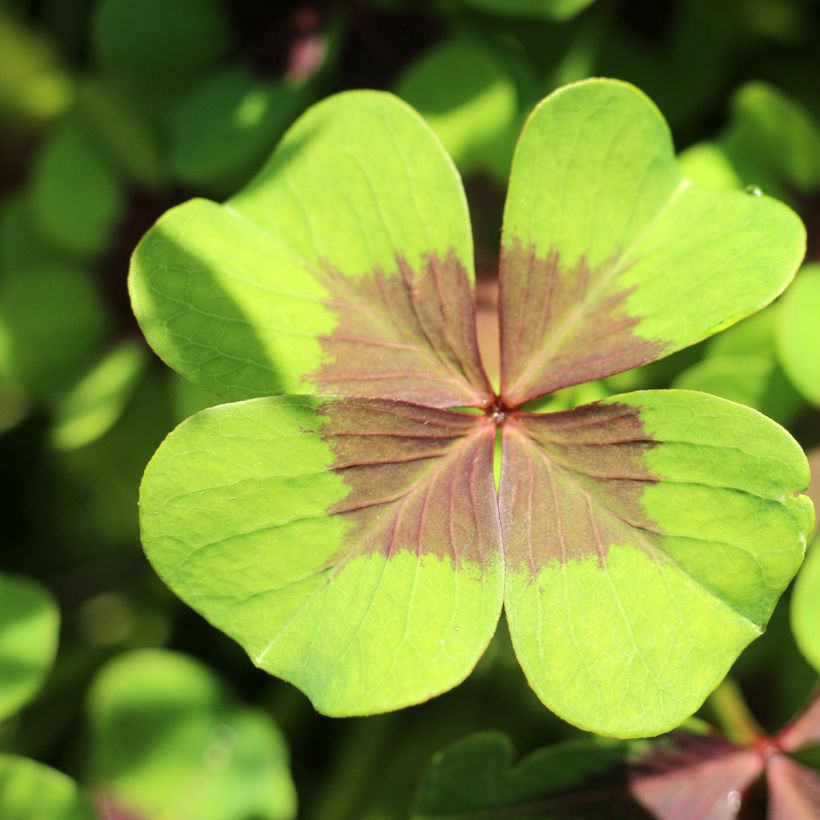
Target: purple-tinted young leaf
(794, 790)
(804, 730)
(695, 776)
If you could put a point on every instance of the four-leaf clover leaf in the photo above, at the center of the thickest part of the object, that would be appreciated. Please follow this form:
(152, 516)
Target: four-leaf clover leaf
(348, 533)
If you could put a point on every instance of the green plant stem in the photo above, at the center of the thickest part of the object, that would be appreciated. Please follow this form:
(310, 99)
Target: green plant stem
(733, 715)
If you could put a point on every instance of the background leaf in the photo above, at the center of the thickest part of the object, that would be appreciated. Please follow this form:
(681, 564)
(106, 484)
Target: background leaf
(25, 784)
(167, 740)
(29, 623)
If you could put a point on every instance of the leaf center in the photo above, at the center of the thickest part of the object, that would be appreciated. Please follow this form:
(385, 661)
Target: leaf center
(498, 411)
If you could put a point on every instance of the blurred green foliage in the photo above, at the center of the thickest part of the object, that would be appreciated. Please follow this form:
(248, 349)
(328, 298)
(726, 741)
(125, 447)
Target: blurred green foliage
(111, 112)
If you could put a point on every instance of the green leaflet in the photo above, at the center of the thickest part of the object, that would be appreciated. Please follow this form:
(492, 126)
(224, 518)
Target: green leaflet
(349, 538)
(51, 319)
(798, 333)
(640, 544)
(25, 784)
(600, 225)
(226, 127)
(167, 740)
(254, 298)
(29, 623)
(245, 517)
(94, 404)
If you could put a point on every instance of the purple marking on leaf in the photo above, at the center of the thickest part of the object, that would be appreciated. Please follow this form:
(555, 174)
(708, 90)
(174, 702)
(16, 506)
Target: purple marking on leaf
(561, 325)
(572, 484)
(420, 479)
(407, 337)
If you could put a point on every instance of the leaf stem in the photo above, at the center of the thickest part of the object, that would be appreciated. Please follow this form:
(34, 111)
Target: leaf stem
(733, 715)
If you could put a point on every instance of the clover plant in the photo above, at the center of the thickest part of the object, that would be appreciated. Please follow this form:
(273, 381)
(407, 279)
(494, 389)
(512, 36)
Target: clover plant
(694, 772)
(340, 519)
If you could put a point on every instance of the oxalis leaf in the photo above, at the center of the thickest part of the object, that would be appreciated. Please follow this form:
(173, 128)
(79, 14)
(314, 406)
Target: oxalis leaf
(351, 538)
(693, 772)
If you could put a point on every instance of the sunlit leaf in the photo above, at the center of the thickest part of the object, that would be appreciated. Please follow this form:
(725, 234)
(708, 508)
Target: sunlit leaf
(756, 381)
(349, 538)
(29, 622)
(28, 789)
(168, 740)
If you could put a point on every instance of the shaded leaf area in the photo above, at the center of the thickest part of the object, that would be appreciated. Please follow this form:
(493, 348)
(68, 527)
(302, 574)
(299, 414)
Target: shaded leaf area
(805, 607)
(616, 512)
(362, 288)
(225, 127)
(404, 335)
(159, 50)
(27, 786)
(741, 364)
(604, 240)
(350, 546)
(168, 740)
(798, 333)
(683, 775)
(29, 626)
(475, 779)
